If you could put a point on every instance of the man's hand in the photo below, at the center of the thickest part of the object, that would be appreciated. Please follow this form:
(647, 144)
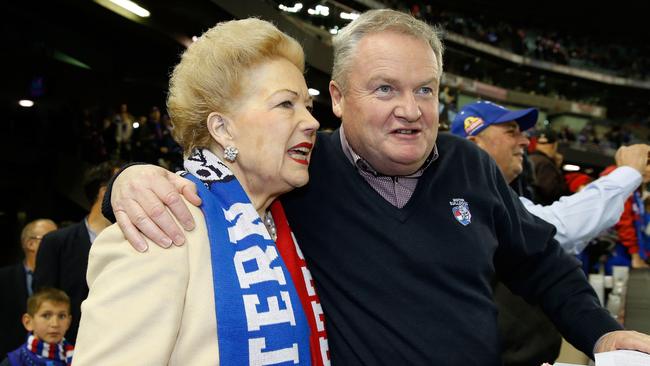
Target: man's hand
(634, 156)
(140, 198)
(623, 339)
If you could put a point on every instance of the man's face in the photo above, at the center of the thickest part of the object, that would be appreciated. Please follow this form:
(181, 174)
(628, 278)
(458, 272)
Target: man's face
(40, 229)
(505, 143)
(390, 109)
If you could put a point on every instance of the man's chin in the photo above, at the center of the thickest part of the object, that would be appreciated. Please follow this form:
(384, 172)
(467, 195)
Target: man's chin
(401, 167)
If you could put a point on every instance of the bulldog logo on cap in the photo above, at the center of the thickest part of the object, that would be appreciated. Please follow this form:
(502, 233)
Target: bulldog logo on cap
(472, 123)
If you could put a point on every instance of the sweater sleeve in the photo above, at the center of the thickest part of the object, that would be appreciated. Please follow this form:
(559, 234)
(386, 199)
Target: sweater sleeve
(532, 264)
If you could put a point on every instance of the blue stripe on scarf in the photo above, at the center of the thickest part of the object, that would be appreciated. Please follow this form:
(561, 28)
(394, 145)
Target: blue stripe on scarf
(237, 235)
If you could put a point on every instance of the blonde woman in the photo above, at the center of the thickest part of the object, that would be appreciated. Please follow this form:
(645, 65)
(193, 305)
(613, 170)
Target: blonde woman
(234, 294)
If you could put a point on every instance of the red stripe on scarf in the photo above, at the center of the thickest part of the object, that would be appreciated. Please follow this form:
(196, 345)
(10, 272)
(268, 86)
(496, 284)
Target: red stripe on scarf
(34, 345)
(53, 351)
(296, 266)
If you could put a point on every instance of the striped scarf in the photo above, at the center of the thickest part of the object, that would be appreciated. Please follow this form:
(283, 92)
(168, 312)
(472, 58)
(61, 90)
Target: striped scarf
(261, 317)
(38, 352)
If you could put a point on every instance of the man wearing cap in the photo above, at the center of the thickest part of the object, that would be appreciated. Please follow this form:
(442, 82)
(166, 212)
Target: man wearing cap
(577, 218)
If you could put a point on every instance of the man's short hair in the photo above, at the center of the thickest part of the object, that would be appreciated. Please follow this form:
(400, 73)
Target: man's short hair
(46, 294)
(373, 21)
(28, 230)
(97, 177)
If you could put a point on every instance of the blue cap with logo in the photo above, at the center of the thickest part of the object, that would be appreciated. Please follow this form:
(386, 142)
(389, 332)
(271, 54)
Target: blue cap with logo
(475, 117)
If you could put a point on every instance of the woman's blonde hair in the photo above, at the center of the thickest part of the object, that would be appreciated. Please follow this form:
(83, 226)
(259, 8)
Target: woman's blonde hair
(210, 74)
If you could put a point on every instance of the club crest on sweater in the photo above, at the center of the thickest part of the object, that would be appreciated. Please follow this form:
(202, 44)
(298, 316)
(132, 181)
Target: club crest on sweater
(460, 210)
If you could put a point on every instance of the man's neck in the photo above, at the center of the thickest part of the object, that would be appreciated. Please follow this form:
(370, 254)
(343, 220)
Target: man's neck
(96, 221)
(30, 261)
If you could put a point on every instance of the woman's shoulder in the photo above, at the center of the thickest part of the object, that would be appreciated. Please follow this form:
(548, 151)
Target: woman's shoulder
(111, 247)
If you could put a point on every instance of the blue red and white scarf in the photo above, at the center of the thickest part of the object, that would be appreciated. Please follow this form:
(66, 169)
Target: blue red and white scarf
(38, 352)
(261, 317)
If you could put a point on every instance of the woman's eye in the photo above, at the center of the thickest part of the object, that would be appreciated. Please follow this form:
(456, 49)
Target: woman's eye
(426, 90)
(286, 104)
(384, 89)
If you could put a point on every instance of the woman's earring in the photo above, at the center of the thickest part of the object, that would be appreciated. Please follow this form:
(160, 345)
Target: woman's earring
(230, 153)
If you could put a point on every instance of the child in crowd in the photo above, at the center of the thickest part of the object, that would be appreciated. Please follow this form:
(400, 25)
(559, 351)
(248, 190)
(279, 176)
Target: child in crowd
(47, 319)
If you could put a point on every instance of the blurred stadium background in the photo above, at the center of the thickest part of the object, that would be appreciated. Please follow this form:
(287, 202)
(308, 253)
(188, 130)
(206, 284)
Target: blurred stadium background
(585, 66)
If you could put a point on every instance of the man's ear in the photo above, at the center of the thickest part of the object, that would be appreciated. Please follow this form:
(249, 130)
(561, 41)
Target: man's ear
(337, 98)
(31, 244)
(219, 128)
(473, 139)
(27, 322)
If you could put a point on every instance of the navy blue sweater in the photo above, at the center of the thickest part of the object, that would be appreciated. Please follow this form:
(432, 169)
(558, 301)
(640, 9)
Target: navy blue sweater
(414, 285)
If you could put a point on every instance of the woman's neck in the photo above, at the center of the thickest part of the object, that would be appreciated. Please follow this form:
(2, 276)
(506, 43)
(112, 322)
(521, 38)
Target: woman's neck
(256, 189)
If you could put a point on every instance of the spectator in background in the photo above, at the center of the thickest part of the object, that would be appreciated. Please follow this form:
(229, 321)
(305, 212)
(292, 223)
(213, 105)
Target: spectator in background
(548, 180)
(448, 108)
(47, 319)
(577, 181)
(63, 260)
(578, 217)
(16, 285)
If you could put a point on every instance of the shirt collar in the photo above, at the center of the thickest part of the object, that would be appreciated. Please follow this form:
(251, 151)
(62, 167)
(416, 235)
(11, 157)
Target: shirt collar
(91, 234)
(361, 164)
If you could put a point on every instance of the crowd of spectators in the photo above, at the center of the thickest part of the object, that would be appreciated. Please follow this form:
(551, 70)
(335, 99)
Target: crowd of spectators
(122, 136)
(545, 44)
(595, 136)
(605, 141)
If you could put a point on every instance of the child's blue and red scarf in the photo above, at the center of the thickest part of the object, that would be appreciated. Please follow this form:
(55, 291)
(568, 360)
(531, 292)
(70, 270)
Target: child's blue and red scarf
(262, 317)
(39, 353)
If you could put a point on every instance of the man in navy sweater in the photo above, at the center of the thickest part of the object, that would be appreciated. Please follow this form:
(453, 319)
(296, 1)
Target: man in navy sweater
(403, 230)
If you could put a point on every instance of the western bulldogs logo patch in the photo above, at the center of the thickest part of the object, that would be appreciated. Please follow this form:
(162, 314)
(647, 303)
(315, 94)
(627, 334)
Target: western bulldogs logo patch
(460, 210)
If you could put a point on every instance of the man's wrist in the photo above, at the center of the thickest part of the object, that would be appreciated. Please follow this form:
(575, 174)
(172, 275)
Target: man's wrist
(598, 342)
